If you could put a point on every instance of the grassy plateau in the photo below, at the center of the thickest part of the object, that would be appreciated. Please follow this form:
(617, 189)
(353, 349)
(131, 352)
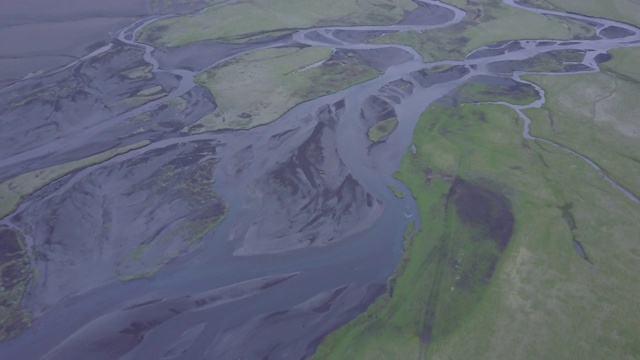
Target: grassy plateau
(486, 22)
(596, 115)
(457, 293)
(259, 87)
(244, 19)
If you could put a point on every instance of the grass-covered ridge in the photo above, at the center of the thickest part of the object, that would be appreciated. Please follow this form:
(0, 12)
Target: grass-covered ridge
(486, 22)
(259, 87)
(544, 300)
(243, 19)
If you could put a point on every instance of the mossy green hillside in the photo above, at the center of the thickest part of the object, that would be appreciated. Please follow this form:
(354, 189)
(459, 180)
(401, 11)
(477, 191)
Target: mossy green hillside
(486, 22)
(245, 19)
(258, 88)
(544, 300)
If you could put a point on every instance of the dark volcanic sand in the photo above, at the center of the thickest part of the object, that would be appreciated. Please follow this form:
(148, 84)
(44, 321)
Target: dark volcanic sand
(39, 35)
(480, 207)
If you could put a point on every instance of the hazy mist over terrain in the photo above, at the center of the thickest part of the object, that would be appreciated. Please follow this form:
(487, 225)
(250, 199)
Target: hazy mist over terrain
(322, 179)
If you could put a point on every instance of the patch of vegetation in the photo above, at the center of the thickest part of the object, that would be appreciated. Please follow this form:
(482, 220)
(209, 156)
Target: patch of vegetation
(442, 285)
(624, 64)
(259, 87)
(446, 266)
(551, 61)
(622, 10)
(51, 93)
(595, 115)
(538, 283)
(142, 97)
(139, 275)
(14, 275)
(191, 175)
(244, 19)
(187, 177)
(14, 190)
(142, 72)
(478, 92)
(382, 129)
(568, 217)
(178, 103)
(181, 5)
(486, 22)
(136, 254)
(396, 192)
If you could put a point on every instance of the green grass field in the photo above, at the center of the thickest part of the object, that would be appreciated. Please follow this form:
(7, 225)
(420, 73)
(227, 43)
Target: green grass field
(622, 10)
(259, 87)
(244, 19)
(487, 22)
(596, 115)
(518, 94)
(544, 301)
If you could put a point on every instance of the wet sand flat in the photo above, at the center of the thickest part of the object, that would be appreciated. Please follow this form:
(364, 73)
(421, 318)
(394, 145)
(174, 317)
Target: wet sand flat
(49, 34)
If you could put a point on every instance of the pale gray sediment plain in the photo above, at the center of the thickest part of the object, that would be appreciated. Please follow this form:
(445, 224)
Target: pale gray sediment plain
(290, 262)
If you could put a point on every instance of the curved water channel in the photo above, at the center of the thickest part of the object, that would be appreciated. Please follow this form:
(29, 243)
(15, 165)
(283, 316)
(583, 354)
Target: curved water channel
(214, 304)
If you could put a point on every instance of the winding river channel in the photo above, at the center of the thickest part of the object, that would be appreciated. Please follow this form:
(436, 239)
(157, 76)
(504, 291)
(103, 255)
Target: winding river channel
(231, 301)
